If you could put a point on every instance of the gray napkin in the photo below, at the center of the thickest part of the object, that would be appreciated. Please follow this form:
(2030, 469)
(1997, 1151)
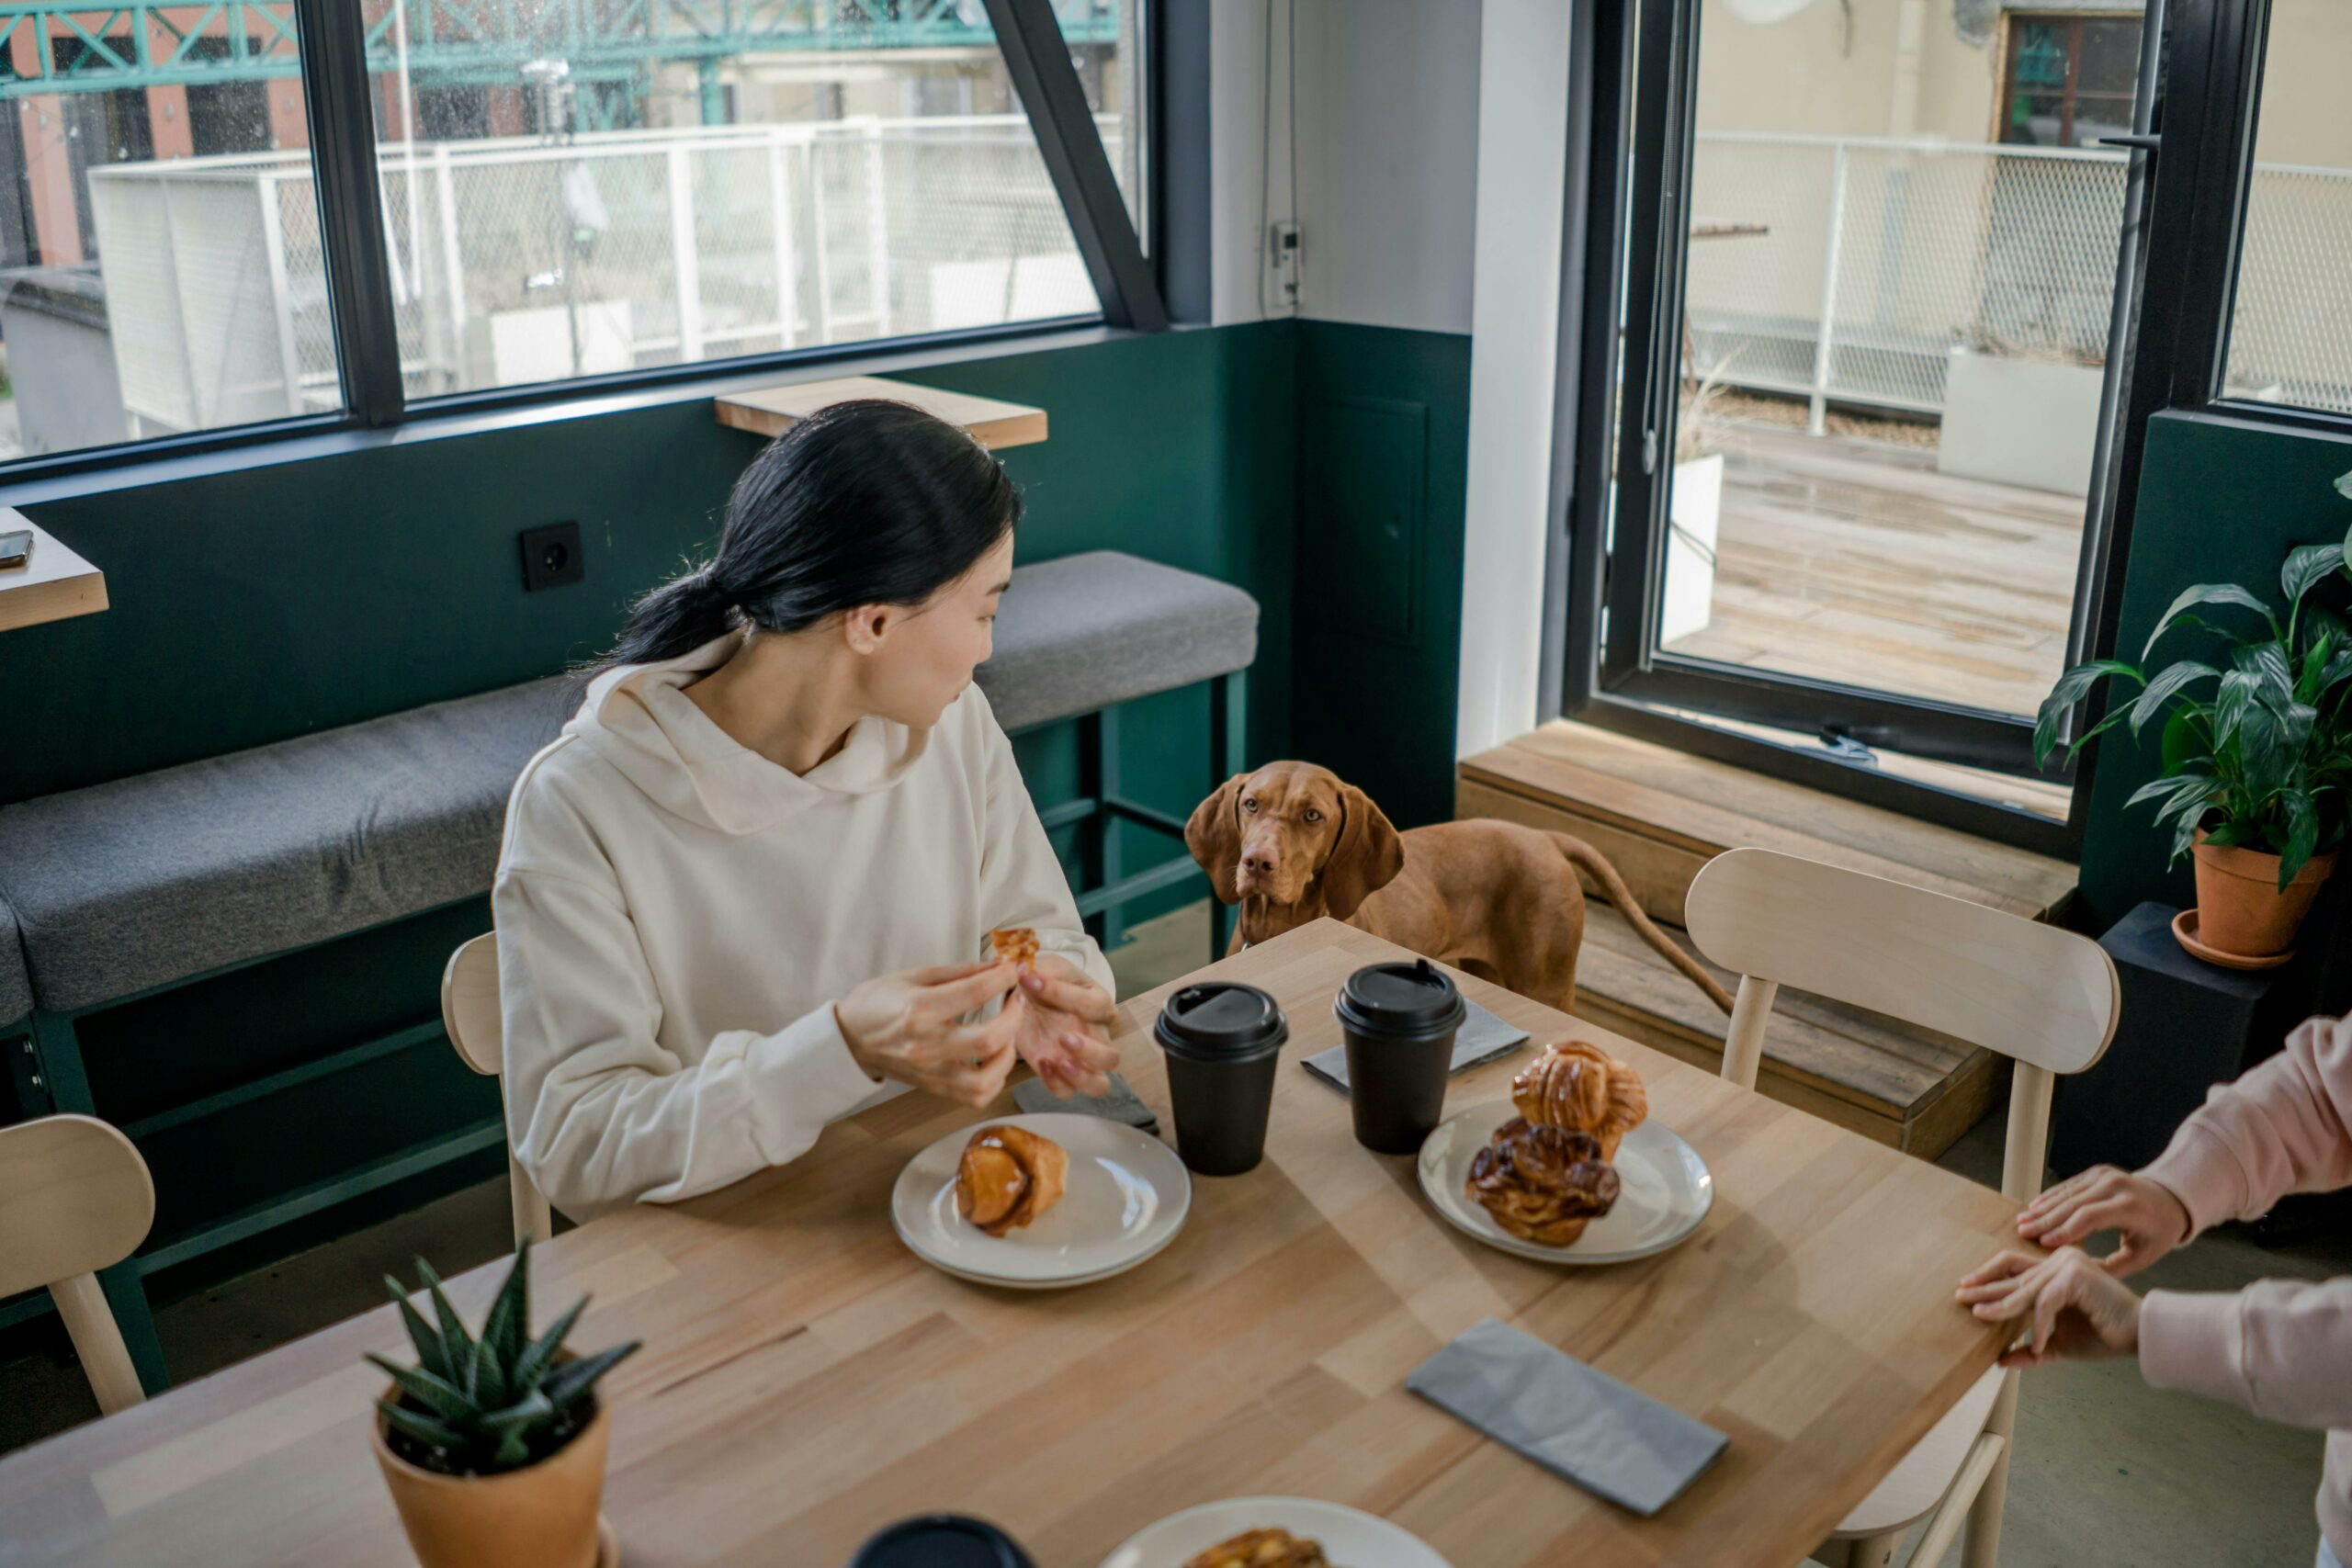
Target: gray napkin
(1482, 1038)
(1122, 1104)
(1612, 1440)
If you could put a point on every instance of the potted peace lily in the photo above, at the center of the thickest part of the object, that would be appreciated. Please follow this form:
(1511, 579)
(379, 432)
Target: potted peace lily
(2257, 752)
(494, 1447)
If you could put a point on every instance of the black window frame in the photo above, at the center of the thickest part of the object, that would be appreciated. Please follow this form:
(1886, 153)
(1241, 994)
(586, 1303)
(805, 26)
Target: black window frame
(339, 107)
(2190, 158)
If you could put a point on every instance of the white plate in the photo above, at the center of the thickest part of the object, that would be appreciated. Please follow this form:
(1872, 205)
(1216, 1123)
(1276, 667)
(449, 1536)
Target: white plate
(1126, 1197)
(1664, 1190)
(1351, 1538)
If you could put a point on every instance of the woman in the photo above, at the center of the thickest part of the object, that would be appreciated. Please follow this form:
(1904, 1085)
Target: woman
(748, 890)
(2281, 1348)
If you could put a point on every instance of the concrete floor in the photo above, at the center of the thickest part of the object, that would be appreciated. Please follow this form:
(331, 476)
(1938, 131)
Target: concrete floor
(2109, 1474)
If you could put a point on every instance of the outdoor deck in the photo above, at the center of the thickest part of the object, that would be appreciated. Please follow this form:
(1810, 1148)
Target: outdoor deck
(1854, 561)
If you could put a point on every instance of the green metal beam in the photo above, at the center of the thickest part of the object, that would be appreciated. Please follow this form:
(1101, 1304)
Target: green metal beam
(114, 47)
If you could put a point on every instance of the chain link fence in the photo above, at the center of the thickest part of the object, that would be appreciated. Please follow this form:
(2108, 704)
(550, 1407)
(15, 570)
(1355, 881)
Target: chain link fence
(519, 260)
(1849, 269)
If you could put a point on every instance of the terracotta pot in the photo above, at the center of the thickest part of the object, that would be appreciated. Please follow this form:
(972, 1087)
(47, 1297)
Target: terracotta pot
(2239, 907)
(543, 1516)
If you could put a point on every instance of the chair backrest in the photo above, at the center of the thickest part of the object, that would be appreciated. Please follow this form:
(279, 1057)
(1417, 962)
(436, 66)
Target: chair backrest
(469, 1012)
(75, 1197)
(2040, 994)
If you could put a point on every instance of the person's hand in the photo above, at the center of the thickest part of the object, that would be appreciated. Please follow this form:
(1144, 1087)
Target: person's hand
(1064, 1028)
(904, 1027)
(2077, 1310)
(2150, 1220)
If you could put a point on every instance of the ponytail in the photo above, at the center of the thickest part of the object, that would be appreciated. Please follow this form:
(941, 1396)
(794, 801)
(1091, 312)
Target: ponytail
(862, 502)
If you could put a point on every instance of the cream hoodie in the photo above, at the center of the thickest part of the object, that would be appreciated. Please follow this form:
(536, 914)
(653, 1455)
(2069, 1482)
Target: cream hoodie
(677, 915)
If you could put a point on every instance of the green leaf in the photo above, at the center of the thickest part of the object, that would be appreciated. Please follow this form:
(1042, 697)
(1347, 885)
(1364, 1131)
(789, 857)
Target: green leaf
(430, 1354)
(423, 1429)
(2302, 835)
(2208, 593)
(2344, 488)
(2114, 717)
(2072, 687)
(439, 1395)
(513, 1450)
(2275, 677)
(2183, 742)
(533, 1406)
(2305, 566)
(566, 1384)
(2156, 789)
(2337, 668)
(506, 1329)
(533, 1363)
(488, 1383)
(2163, 686)
(2229, 833)
(455, 1342)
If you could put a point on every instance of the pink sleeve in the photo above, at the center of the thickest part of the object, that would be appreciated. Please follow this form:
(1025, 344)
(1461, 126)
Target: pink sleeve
(2280, 1128)
(2281, 1348)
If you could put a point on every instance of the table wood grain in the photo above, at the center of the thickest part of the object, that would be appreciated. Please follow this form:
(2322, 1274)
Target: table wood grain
(54, 585)
(805, 1380)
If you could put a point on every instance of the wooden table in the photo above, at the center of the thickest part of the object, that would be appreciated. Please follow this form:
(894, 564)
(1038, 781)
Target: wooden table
(805, 1380)
(771, 410)
(54, 584)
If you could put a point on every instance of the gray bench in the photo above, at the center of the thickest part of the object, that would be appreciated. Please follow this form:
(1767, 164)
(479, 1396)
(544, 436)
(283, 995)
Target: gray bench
(150, 883)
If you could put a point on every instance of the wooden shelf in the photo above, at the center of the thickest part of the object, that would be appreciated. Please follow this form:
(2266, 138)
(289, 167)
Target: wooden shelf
(771, 410)
(54, 585)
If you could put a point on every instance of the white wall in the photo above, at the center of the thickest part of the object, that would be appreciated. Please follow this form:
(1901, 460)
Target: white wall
(1522, 144)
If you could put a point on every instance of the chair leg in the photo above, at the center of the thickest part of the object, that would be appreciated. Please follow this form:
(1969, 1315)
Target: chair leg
(1228, 744)
(1873, 1551)
(1106, 824)
(1983, 1546)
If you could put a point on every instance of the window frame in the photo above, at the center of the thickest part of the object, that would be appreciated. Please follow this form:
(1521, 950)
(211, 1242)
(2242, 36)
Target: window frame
(339, 107)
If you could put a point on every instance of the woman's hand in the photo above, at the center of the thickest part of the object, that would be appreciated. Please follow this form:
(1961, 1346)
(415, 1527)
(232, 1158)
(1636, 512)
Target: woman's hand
(904, 1027)
(2153, 1222)
(1065, 1022)
(2078, 1310)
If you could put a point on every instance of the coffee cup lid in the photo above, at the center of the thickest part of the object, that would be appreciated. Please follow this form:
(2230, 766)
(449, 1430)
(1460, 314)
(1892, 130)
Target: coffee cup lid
(941, 1541)
(1407, 998)
(1220, 1020)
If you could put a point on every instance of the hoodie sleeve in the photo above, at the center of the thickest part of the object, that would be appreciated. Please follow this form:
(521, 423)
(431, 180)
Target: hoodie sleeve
(599, 1112)
(2281, 1348)
(2280, 1128)
(1020, 878)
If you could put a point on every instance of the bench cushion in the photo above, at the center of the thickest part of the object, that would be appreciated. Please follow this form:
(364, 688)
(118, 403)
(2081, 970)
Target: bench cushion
(1090, 630)
(152, 879)
(15, 985)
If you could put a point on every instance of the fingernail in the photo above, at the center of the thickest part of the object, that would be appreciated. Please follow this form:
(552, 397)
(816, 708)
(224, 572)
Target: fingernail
(1034, 980)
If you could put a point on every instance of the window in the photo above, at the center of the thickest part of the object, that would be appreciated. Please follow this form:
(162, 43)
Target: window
(559, 191)
(160, 265)
(2291, 328)
(2070, 79)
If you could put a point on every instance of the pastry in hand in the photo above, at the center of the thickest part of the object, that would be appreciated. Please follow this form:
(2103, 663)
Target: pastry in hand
(1542, 1184)
(1261, 1549)
(1015, 945)
(1584, 1089)
(1008, 1176)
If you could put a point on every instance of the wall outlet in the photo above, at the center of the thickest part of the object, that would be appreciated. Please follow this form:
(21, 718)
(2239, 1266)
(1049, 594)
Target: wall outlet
(1281, 257)
(552, 557)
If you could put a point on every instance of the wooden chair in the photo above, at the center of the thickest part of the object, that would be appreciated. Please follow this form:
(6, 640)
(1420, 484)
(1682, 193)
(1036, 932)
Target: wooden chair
(2040, 996)
(470, 1011)
(75, 1197)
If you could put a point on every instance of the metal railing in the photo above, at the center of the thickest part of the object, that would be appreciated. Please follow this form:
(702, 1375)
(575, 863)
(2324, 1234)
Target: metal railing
(516, 261)
(1876, 259)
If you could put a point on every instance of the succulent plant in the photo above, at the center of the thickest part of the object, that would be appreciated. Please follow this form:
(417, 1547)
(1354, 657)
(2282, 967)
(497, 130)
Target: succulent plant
(482, 1406)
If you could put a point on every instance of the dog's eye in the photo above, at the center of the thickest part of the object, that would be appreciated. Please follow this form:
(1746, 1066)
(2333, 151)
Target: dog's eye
(1312, 814)
(1250, 806)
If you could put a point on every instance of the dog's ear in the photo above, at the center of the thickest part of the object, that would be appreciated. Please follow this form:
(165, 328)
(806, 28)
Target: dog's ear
(1213, 835)
(1367, 857)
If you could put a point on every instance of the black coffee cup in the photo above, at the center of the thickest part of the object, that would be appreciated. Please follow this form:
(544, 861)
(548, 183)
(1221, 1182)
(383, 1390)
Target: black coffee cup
(941, 1540)
(1224, 1042)
(1398, 1021)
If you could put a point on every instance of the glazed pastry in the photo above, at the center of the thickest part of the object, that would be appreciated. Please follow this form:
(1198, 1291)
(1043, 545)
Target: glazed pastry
(1542, 1184)
(1582, 1088)
(1008, 1176)
(1261, 1549)
(1015, 945)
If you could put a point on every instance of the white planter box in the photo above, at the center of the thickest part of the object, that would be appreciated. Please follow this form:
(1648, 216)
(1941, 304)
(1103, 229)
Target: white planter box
(1697, 516)
(2019, 422)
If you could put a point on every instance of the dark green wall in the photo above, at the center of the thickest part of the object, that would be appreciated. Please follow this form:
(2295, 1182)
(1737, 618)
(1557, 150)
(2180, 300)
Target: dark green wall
(2220, 501)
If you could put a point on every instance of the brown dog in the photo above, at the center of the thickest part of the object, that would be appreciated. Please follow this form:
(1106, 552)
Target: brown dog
(1292, 843)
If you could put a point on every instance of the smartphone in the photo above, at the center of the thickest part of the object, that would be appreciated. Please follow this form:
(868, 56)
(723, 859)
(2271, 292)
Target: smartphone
(16, 547)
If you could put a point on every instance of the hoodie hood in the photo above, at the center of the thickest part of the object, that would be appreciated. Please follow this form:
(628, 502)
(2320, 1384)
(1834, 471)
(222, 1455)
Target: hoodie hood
(640, 718)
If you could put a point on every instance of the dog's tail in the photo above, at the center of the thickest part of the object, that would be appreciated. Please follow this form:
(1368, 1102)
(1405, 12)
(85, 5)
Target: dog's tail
(1587, 859)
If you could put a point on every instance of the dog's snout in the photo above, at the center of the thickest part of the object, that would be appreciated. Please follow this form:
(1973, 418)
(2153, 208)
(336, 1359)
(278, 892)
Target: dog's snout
(1258, 860)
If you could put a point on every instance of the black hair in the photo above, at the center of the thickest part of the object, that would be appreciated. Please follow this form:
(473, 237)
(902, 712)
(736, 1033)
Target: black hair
(861, 503)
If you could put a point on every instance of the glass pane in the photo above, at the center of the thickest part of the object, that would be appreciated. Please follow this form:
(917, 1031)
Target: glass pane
(2291, 334)
(160, 269)
(595, 188)
(1893, 346)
